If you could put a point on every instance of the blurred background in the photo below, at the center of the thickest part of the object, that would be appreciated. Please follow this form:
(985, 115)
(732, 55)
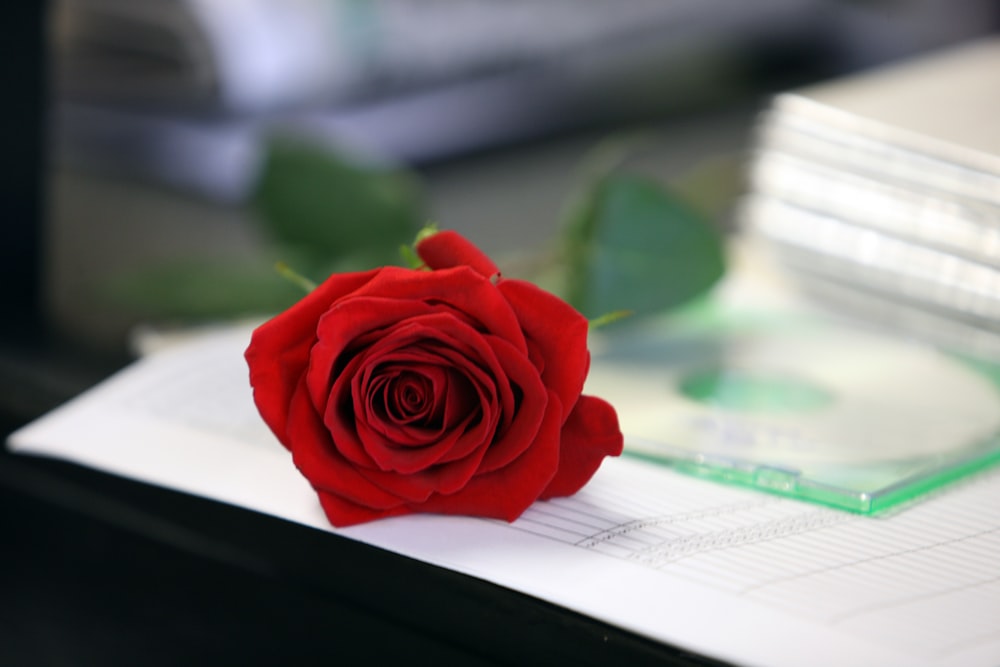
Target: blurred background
(182, 136)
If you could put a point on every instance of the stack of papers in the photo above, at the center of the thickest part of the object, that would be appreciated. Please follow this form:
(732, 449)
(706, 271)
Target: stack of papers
(880, 194)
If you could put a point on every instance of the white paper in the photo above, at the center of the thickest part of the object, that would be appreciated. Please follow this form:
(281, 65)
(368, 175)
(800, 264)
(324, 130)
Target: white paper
(733, 574)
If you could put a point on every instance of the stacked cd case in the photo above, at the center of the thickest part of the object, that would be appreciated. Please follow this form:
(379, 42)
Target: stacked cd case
(879, 194)
(878, 197)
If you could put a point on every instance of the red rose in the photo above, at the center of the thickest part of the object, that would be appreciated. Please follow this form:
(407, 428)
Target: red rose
(450, 390)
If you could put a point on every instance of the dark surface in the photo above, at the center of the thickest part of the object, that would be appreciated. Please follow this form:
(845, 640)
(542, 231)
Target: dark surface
(81, 590)
(105, 571)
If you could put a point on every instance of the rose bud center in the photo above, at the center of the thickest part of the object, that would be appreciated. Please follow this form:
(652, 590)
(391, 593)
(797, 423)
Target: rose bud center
(414, 404)
(409, 398)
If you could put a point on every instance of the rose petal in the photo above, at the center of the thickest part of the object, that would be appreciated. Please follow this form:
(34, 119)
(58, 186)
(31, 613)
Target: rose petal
(357, 441)
(470, 420)
(404, 460)
(430, 339)
(525, 416)
(590, 433)
(559, 331)
(505, 493)
(342, 512)
(404, 399)
(278, 353)
(339, 417)
(401, 295)
(461, 288)
(417, 487)
(406, 448)
(448, 249)
(321, 464)
(342, 329)
(415, 397)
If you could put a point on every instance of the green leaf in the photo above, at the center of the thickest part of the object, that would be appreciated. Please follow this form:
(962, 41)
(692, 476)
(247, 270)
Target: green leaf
(631, 245)
(312, 198)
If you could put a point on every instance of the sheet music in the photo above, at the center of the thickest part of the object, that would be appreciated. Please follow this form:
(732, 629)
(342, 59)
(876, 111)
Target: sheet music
(881, 578)
(734, 574)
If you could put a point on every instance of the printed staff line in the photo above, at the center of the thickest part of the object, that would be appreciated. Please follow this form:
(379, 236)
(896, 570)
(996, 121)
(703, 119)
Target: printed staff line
(617, 512)
(635, 541)
(811, 544)
(831, 568)
(746, 565)
(915, 565)
(892, 532)
(589, 509)
(970, 563)
(546, 520)
(902, 602)
(825, 541)
(594, 525)
(723, 565)
(646, 498)
(705, 543)
(873, 576)
(545, 531)
(629, 506)
(978, 555)
(968, 643)
(623, 530)
(750, 529)
(592, 540)
(861, 586)
(591, 527)
(943, 529)
(871, 548)
(815, 546)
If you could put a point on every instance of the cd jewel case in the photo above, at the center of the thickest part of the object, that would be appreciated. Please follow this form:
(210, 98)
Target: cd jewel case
(876, 195)
(799, 405)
